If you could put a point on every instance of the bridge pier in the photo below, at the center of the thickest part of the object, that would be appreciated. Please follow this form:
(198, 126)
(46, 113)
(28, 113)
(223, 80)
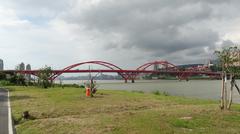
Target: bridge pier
(125, 80)
(133, 81)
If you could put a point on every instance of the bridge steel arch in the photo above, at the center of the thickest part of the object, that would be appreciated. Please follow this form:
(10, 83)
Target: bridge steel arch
(168, 66)
(102, 63)
(181, 74)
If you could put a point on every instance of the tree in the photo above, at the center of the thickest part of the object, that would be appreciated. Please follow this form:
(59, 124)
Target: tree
(215, 68)
(17, 79)
(20, 79)
(2, 76)
(229, 57)
(43, 77)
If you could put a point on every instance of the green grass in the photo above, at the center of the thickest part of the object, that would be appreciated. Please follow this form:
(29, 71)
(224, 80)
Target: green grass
(63, 111)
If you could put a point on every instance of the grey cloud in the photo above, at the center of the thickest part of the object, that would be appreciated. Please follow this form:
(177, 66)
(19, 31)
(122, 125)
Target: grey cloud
(190, 56)
(168, 42)
(139, 15)
(157, 26)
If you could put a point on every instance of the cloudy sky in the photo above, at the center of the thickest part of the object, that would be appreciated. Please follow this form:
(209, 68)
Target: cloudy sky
(127, 33)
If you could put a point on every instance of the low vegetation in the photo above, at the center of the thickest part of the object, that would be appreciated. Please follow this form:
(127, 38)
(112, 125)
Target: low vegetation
(61, 111)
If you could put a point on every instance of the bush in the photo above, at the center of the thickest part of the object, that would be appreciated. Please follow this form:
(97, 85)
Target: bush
(82, 86)
(165, 93)
(159, 93)
(69, 85)
(156, 92)
(135, 91)
(5, 83)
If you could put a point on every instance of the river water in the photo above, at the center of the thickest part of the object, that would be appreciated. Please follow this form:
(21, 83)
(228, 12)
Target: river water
(203, 89)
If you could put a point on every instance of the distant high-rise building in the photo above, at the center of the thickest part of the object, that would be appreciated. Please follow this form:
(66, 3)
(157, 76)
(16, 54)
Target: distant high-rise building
(1, 64)
(22, 66)
(28, 76)
(28, 67)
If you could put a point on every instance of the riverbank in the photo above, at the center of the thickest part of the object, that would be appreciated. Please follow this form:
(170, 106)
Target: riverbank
(67, 110)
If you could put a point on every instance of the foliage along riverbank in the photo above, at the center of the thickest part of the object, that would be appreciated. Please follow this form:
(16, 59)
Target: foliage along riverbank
(57, 110)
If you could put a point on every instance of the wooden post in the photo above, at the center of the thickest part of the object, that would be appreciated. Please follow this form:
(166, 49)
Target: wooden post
(237, 87)
(225, 91)
(222, 92)
(91, 87)
(231, 91)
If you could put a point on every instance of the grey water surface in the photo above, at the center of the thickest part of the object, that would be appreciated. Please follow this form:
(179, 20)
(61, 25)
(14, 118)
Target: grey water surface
(203, 89)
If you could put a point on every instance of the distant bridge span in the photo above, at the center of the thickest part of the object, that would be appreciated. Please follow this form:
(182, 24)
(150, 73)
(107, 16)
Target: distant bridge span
(166, 68)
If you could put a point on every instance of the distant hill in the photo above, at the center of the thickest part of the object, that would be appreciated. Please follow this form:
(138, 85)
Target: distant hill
(100, 77)
(189, 65)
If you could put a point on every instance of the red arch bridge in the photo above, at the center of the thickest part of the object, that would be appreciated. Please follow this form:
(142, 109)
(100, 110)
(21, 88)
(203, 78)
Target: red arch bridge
(163, 67)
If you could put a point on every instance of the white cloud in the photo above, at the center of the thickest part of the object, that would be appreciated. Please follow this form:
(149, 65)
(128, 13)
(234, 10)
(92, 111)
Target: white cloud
(9, 19)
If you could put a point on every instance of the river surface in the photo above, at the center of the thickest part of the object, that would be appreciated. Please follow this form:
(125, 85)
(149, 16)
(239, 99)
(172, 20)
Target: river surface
(203, 89)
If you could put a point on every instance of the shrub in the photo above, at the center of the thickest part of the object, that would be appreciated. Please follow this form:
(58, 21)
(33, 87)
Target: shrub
(159, 93)
(5, 83)
(156, 92)
(135, 91)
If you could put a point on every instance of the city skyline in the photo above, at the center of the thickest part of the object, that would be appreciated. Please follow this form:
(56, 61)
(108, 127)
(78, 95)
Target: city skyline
(126, 33)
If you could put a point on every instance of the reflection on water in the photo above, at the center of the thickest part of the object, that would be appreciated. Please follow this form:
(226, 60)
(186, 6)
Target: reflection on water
(207, 89)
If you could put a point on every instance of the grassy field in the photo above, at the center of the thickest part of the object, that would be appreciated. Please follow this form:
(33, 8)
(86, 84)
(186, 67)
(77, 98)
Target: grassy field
(68, 111)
